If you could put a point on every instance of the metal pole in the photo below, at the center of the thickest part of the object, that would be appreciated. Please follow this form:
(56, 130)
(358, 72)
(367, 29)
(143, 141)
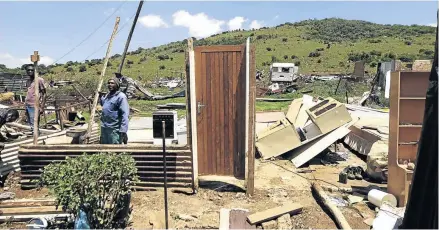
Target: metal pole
(165, 177)
(129, 36)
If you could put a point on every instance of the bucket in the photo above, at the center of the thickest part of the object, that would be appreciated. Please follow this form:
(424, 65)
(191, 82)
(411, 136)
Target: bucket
(378, 197)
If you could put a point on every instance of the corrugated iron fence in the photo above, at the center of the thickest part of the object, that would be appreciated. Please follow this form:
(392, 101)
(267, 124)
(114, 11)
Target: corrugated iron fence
(13, 82)
(149, 162)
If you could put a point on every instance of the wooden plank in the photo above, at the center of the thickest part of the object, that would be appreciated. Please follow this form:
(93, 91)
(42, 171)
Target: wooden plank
(211, 133)
(199, 88)
(216, 158)
(231, 111)
(214, 49)
(238, 219)
(224, 219)
(221, 100)
(29, 210)
(227, 121)
(252, 135)
(193, 120)
(25, 218)
(293, 110)
(273, 213)
(26, 202)
(235, 77)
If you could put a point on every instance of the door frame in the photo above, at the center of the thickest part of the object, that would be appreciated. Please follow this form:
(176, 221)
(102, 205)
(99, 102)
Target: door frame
(250, 92)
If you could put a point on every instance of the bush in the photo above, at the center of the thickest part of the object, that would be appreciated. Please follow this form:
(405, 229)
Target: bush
(390, 55)
(375, 41)
(320, 49)
(162, 57)
(314, 54)
(268, 49)
(375, 53)
(373, 64)
(274, 59)
(69, 69)
(97, 184)
(285, 57)
(297, 63)
(82, 68)
(354, 57)
(162, 67)
(406, 58)
(109, 64)
(284, 39)
(129, 62)
(319, 61)
(408, 43)
(341, 64)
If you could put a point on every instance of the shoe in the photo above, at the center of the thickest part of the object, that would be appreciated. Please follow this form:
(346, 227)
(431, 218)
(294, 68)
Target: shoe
(350, 173)
(358, 171)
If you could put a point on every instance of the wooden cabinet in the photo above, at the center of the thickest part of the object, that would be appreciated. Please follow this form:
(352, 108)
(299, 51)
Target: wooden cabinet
(407, 101)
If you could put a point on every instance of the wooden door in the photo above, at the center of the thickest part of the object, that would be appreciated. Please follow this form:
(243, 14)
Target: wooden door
(220, 110)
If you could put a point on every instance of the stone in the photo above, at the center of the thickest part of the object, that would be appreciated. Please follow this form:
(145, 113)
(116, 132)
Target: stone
(284, 222)
(272, 224)
(186, 217)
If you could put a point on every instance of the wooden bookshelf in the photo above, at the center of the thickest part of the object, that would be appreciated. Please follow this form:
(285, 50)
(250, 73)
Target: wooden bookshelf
(407, 101)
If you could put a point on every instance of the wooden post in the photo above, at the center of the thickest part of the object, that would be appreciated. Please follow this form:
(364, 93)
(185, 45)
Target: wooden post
(35, 58)
(251, 123)
(190, 47)
(101, 80)
(127, 44)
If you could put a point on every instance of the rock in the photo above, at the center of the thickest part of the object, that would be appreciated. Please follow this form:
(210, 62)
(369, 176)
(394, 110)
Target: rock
(186, 217)
(284, 222)
(272, 224)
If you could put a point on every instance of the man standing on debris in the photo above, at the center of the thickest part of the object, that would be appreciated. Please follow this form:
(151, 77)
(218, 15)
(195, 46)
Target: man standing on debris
(115, 112)
(30, 97)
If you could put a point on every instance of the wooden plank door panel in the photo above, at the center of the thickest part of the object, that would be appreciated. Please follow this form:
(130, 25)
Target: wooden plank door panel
(220, 90)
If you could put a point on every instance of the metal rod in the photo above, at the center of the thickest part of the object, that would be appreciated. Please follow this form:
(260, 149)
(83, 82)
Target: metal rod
(165, 177)
(101, 79)
(127, 44)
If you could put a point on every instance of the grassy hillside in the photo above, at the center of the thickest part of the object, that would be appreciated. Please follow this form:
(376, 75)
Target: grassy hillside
(317, 46)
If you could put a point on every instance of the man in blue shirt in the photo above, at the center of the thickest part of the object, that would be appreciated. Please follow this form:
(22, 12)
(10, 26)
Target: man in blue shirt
(114, 118)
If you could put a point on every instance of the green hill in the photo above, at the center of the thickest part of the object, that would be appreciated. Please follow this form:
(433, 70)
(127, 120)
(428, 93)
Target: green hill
(317, 46)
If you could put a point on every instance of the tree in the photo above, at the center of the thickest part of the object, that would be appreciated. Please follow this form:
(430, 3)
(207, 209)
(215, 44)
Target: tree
(82, 68)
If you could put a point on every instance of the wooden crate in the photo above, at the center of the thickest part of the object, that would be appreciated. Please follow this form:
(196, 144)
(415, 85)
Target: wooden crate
(407, 101)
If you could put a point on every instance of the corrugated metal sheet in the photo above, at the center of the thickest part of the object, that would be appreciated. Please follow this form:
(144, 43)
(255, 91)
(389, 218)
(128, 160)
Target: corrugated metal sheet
(149, 162)
(13, 82)
(9, 155)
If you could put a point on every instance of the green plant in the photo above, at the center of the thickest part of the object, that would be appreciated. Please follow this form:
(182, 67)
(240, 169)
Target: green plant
(97, 184)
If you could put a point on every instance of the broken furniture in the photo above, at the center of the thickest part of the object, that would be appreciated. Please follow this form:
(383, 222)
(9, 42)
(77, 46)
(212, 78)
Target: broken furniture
(407, 101)
(294, 130)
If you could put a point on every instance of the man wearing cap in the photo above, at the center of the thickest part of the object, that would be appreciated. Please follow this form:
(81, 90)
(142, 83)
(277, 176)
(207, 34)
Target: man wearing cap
(115, 112)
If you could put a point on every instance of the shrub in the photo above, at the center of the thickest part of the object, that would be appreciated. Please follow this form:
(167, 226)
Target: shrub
(375, 41)
(373, 64)
(406, 58)
(293, 56)
(274, 59)
(408, 43)
(162, 57)
(162, 67)
(375, 53)
(314, 54)
(284, 39)
(129, 62)
(96, 184)
(320, 49)
(319, 61)
(82, 68)
(268, 49)
(109, 64)
(297, 63)
(69, 69)
(285, 57)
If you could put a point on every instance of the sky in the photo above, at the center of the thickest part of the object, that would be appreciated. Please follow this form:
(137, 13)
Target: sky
(75, 31)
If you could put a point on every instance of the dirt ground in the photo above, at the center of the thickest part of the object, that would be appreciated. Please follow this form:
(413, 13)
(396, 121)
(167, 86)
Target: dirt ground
(274, 185)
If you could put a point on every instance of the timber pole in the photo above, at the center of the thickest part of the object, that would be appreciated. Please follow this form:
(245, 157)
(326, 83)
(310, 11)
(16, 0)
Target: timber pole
(101, 80)
(127, 44)
(35, 58)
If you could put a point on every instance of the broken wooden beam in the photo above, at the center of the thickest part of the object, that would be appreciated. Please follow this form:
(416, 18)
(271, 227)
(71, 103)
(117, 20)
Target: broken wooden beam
(273, 213)
(336, 213)
(27, 203)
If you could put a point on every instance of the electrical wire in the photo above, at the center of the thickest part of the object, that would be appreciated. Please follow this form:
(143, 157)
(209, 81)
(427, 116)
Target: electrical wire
(91, 34)
(121, 28)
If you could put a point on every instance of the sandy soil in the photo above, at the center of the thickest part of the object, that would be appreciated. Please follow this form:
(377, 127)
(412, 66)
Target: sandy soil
(274, 183)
